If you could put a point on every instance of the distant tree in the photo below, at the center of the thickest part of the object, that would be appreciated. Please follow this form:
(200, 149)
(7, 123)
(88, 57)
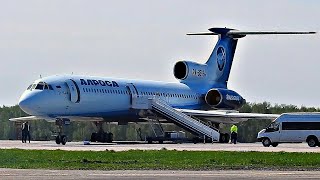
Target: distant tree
(78, 131)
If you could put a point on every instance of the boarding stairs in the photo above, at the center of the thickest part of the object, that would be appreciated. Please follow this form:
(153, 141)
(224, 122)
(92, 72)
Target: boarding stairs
(194, 125)
(156, 127)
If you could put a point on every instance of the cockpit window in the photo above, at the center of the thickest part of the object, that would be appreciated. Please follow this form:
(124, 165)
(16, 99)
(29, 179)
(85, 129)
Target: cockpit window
(33, 86)
(40, 86)
(29, 87)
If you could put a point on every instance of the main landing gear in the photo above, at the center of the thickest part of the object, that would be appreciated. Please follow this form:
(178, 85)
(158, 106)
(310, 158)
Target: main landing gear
(101, 136)
(61, 138)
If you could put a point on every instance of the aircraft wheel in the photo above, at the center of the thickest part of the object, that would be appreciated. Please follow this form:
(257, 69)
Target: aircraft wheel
(224, 138)
(58, 140)
(93, 137)
(110, 138)
(63, 139)
(266, 142)
(195, 140)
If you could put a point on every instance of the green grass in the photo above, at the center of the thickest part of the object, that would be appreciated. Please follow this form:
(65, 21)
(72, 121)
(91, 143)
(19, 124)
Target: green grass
(163, 159)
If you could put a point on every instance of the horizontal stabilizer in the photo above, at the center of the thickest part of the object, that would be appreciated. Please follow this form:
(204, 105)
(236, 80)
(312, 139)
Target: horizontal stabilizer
(238, 34)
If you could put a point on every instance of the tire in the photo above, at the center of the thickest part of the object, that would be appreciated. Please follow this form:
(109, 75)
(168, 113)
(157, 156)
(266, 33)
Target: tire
(58, 140)
(110, 138)
(227, 138)
(93, 137)
(266, 142)
(222, 138)
(63, 139)
(312, 141)
(275, 144)
(195, 140)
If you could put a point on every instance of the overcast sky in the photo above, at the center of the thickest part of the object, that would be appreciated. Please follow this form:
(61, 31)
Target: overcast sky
(143, 40)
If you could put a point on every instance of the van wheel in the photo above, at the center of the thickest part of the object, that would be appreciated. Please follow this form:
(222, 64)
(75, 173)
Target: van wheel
(266, 142)
(275, 144)
(312, 141)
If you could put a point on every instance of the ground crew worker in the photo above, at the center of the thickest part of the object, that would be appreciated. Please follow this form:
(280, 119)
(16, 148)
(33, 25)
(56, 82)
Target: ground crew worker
(234, 133)
(23, 134)
(27, 132)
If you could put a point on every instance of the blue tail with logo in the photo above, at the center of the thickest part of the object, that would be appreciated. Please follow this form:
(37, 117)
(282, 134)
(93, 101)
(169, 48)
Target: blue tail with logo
(221, 58)
(219, 63)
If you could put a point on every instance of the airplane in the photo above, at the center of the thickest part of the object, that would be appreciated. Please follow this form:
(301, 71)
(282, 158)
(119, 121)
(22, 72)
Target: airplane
(198, 103)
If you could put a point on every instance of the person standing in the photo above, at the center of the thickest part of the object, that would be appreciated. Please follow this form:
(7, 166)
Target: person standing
(23, 134)
(234, 134)
(27, 132)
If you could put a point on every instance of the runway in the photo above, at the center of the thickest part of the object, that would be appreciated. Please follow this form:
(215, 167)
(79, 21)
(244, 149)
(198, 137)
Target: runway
(25, 174)
(79, 146)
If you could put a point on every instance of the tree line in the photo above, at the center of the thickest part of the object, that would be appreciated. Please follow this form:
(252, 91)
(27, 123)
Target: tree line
(78, 131)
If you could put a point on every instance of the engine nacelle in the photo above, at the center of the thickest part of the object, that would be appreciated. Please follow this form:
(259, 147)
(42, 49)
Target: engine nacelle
(224, 99)
(190, 71)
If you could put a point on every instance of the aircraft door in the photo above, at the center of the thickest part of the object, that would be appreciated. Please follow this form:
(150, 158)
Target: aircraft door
(133, 92)
(74, 91)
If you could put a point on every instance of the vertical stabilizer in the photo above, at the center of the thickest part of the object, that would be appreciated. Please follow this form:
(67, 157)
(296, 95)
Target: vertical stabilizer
(220, 61)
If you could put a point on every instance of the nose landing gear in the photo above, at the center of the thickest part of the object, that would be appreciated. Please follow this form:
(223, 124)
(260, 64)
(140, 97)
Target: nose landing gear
(61, 138)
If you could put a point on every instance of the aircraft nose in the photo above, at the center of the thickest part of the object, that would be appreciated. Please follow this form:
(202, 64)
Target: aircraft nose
(25, 103)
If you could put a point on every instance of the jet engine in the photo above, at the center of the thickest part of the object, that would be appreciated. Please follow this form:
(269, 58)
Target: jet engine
(190, 71)
(224, 99)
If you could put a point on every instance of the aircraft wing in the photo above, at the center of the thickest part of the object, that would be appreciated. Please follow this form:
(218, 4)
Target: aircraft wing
(27, 118)
(218, 116)
(50, 119)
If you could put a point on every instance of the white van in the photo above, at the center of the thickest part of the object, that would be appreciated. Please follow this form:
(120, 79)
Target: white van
(292, 128)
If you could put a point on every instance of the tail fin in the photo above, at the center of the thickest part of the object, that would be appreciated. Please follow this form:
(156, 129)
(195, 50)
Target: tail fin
(220, 60)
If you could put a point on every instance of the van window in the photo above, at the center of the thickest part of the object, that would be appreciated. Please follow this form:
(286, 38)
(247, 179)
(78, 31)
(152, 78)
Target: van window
(301, 126)
(273, 127)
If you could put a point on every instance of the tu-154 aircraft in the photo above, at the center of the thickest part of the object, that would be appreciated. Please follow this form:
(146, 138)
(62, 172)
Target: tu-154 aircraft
(198, 103)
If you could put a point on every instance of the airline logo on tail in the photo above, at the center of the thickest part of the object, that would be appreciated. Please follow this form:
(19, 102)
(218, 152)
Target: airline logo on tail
(221, 58)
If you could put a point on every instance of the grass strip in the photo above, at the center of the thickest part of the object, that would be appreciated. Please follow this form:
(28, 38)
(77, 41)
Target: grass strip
(153, 159)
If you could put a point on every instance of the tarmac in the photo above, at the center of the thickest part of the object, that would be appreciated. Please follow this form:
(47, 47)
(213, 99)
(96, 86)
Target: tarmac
(125, 146)
(27, 174)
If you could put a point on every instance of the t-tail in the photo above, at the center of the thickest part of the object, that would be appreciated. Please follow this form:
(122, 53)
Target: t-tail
(212, 77)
